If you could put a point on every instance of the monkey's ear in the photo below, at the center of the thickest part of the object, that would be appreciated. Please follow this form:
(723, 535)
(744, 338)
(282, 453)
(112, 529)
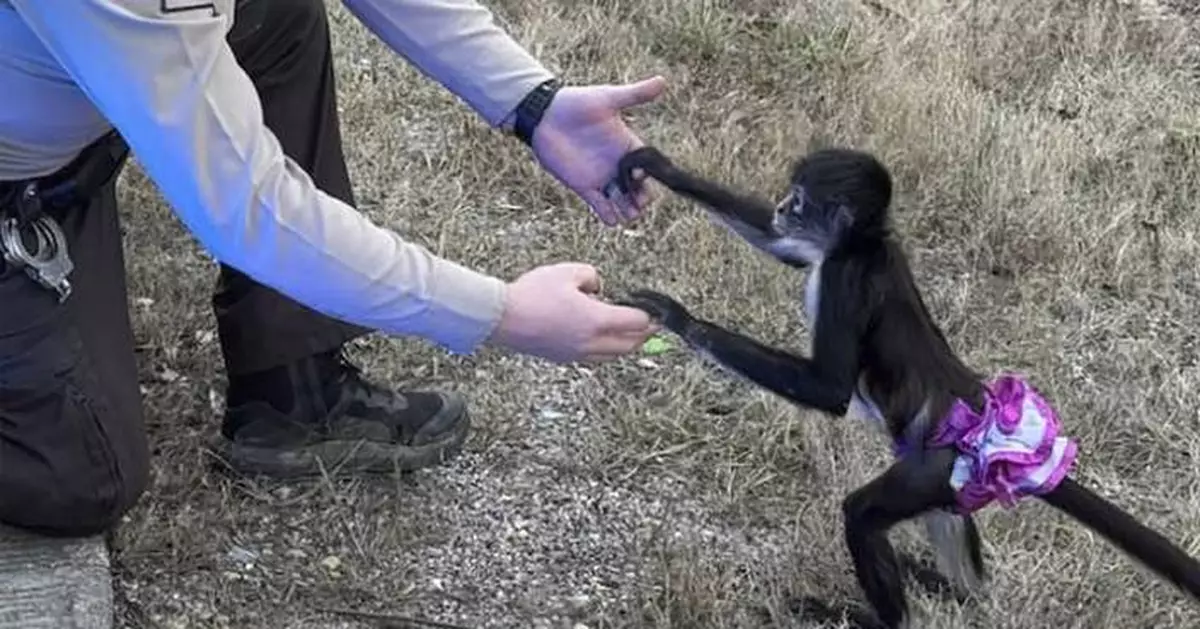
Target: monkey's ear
(843, 217)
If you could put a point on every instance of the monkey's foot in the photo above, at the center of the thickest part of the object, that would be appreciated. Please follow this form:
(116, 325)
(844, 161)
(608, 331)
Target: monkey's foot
(925, 573)
(813, 608)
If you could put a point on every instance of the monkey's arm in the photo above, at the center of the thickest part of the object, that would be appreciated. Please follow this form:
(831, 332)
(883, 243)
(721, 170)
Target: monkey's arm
(825, 382)
(752, 215)
(808, 382)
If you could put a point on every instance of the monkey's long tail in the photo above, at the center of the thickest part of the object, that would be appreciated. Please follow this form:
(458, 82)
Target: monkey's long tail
(1148, 546)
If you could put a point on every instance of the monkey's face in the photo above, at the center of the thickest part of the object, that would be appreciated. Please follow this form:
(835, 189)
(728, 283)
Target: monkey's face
(839, 191)
(788, 212)
(804, 229)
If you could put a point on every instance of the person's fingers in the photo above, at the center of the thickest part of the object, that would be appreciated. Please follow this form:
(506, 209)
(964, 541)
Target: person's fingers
(601, 207)
(613, 319)
(585, 276)
(625, 206)
(610, 345)
(618, 344)
(623, 341)
(652, 328)
(636, 195)
(637, 93)
(599, 358)
(625, 182)
(613, 346)
(629, 198)
(643, 198)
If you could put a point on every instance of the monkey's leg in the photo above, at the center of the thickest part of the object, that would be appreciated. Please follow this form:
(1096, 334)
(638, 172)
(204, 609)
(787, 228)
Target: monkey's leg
(927, 574)
(811, 608)
(923, 571)
(959, 550)
(912, 486)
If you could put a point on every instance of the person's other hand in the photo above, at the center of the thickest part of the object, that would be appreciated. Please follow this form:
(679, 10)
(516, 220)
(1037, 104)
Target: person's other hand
(551, 312)
(581, 137)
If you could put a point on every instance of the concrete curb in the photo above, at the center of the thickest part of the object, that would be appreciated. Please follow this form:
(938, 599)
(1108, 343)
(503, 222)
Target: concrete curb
(59, 583)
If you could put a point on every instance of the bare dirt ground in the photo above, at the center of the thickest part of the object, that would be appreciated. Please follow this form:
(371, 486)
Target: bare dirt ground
(1047, 160)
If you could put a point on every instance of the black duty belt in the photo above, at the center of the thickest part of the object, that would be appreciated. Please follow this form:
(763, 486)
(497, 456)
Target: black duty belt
(30, 236)
(69, 186)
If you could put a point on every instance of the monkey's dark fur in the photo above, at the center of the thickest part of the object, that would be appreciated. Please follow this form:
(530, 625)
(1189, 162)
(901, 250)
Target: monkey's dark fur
(874, 344)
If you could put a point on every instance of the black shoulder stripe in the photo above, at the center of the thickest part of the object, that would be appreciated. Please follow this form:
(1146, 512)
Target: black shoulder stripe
(183, 6)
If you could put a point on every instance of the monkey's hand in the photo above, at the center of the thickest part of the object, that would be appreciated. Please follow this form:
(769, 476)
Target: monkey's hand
(650, 161)
(666, 310)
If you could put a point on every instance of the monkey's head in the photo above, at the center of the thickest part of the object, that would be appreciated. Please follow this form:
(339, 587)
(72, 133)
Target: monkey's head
(837, 198)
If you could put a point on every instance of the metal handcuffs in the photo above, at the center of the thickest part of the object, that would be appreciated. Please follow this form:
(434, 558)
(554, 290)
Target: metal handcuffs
(48, 264)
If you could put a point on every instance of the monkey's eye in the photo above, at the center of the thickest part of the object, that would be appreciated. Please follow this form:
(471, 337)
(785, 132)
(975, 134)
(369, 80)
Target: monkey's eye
(795, 201)
(785, 204)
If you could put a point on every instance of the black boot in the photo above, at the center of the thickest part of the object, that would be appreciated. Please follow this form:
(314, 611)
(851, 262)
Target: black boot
(320, 415)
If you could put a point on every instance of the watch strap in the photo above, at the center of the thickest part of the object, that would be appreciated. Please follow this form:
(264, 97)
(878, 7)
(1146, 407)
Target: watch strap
(530, 110)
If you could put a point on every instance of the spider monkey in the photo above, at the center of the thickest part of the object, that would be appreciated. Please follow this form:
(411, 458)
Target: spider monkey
(877, 350)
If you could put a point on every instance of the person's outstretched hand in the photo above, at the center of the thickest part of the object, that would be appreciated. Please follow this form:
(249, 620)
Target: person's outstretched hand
(551, 312)
(582, 136)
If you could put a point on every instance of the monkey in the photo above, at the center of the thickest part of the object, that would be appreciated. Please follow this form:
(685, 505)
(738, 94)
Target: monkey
(960, 441)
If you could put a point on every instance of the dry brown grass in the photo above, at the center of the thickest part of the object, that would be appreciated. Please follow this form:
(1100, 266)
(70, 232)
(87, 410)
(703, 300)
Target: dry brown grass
(1046, 159)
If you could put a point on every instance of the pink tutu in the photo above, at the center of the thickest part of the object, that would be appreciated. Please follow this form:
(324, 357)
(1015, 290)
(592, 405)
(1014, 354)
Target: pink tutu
(1012, 450)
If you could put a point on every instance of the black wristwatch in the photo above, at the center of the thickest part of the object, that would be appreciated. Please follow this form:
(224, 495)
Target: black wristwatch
(530, 110)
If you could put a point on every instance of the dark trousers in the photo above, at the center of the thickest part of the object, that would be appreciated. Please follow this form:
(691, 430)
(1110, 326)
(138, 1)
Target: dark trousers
(73, 451)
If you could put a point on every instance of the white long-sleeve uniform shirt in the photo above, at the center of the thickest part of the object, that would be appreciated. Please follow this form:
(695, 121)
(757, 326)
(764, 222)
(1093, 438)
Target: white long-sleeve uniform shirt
(70, 70)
